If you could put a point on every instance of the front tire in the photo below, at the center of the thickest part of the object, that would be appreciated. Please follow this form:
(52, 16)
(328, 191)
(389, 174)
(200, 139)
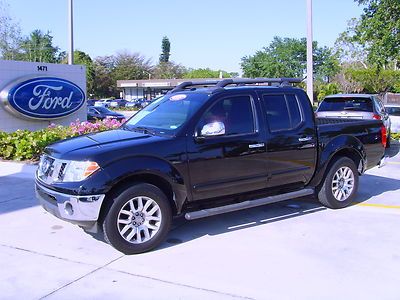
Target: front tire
(340, 184)
(138, 220)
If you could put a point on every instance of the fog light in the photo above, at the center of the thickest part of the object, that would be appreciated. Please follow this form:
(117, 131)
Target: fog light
(69, 209)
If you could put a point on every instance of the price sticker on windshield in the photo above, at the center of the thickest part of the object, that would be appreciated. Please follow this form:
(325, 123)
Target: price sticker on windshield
(177, 97)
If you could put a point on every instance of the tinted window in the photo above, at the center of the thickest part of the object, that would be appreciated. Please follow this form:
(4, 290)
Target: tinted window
(236, 113)
(277, 112)
(283, 112)
(294, 110)
(346, 103)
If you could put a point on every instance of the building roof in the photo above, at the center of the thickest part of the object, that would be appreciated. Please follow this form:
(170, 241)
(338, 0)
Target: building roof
(157, 83)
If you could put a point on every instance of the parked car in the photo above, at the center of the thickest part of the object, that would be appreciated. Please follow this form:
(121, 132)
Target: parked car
(118, 103)
(203, 151)
(394, 113)
(354, 106)
(91, 102)
(100, 113)
(103, 103)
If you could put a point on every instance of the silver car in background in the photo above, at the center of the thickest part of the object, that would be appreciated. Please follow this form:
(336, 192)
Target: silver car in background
(354, 106)
(394, 113)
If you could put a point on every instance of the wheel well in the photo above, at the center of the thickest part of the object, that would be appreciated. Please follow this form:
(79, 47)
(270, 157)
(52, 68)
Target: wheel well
(158, 181)
(350, 153)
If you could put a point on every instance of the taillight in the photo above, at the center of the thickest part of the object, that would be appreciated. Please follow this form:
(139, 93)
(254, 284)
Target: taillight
(377, 117)
(384, 136)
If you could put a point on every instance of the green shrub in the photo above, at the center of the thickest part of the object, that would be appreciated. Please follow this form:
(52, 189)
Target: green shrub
(28, 145)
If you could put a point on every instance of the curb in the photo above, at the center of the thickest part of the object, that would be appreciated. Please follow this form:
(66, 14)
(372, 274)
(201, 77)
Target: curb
(17, 169)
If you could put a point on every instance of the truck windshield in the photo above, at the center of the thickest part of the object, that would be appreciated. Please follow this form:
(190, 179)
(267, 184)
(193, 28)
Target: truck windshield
(168, 113)
(346, 103)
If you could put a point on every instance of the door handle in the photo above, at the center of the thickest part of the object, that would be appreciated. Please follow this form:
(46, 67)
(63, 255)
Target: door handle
(259, 145)
(305, 139)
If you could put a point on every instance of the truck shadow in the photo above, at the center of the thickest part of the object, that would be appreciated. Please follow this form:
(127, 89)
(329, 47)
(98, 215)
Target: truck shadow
(372, 185)
(394, 148)
(184, 231)
(16, 194)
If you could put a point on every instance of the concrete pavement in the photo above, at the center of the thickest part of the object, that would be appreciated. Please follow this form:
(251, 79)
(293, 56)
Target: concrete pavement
(291, 250)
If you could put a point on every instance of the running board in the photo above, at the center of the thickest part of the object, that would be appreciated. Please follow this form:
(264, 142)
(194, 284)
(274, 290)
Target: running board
(246, 204)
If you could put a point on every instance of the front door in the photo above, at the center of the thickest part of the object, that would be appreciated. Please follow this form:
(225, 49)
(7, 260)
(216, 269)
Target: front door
(231, 162)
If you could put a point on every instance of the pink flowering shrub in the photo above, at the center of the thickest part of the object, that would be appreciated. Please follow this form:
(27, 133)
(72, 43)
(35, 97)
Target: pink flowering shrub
(28, 145)
(79, 128)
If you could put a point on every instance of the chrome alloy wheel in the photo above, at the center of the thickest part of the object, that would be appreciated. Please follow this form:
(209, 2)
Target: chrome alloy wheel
(343, 183)
(139, 220)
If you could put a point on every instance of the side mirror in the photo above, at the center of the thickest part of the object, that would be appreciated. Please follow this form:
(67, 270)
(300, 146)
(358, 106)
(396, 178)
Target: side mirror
(213, 129)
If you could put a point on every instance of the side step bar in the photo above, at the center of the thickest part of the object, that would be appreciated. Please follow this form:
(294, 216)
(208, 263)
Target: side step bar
(246, 204)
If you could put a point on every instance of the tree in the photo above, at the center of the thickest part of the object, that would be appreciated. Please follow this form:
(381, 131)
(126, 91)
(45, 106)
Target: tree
(38, 47)
(130, 66)
(166, 70)
(379, 31)
(348, 48)
(205, 73)
(374, 80)
(82, 58)
(122, 66)
(165, 50)
(103, 83)
(287, 57)
(10, 35)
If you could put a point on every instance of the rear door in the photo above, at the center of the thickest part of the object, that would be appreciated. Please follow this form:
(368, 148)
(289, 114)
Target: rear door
(292, 139)
(234, 162)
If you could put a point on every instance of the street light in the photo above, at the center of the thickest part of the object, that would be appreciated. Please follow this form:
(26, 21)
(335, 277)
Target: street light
(310, 76)
(70, 33)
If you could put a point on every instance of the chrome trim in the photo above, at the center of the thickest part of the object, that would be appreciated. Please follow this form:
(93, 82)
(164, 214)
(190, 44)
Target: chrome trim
(84, 208)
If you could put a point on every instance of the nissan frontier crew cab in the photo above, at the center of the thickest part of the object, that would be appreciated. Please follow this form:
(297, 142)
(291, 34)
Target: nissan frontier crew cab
(203, 149)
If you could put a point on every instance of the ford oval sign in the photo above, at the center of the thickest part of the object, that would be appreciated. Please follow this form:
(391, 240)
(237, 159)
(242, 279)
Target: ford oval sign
(42, 97)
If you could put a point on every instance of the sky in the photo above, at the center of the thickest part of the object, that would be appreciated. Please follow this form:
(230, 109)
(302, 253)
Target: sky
(206, 33)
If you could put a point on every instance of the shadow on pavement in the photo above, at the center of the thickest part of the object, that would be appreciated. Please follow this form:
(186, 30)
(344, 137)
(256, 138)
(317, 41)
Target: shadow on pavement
(184, 231)
(16, 193)
(394, 148)
(372, 185)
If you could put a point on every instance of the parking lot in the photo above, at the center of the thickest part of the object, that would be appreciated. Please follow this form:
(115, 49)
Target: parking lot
(295, 249)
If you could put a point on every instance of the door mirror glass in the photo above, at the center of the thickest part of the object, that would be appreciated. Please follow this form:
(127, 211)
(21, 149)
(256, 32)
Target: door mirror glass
(213, 129)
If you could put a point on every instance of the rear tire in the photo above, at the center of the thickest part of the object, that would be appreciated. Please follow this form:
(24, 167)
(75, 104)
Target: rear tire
(340, 184)
(138, 220)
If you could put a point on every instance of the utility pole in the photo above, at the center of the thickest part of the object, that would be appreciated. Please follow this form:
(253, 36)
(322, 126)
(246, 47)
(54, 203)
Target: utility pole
(70, 33)
(310, 77)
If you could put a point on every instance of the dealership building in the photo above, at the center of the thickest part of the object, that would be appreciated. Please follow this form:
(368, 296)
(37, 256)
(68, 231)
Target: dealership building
(148, 89)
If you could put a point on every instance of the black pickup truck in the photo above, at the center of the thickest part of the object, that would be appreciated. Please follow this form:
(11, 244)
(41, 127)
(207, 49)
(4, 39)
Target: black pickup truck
(205, 148)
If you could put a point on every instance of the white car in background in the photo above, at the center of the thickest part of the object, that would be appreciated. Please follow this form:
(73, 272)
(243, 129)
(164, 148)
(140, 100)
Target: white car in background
(394, 114)
(103, 103)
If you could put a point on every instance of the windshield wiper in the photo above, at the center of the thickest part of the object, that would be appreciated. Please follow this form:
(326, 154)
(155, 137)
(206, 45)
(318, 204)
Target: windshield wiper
(144, 130)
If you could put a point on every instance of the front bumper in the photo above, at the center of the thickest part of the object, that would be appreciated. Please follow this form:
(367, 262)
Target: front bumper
(80, 210)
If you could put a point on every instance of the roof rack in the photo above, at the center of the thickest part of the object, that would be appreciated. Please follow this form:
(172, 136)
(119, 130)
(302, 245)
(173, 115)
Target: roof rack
(237, 81)
(244, 81)
(186, 84)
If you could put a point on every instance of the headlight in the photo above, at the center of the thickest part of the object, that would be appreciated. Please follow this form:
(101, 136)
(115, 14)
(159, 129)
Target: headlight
(79, 170)
(111, 117)
(58, 170)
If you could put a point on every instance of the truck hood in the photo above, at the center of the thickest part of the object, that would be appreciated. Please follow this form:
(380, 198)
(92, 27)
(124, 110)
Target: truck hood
(86, 146)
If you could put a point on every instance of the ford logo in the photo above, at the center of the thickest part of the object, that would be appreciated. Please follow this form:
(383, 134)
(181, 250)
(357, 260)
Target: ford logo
(42, 97)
